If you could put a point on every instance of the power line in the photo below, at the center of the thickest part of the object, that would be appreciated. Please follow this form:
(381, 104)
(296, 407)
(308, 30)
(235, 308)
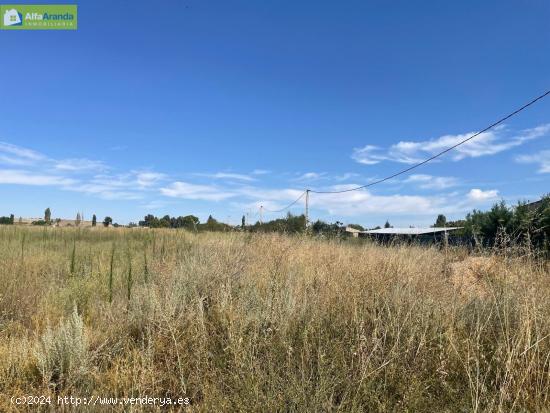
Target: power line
(418, 164)
(440, 153)
(288, 206)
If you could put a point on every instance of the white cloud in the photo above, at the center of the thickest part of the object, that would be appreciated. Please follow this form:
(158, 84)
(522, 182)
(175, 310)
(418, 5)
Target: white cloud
(44, 171)
(477, 195)
(20, 152)
(346, 176)
(491, 142)
(368, 155)
(10, 160)
(542, 159)
(310, 176)
(17, 155)
(79, 165)
(21, 177)
(432, 182)
(228, 176)
(105, 191)
(260, 172)
(153, 205)
(148, 179)
(364, 202)
(192, 191)
(127, 186)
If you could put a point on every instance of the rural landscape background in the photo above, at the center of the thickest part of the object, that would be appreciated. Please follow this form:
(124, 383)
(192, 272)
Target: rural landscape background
(276, 207)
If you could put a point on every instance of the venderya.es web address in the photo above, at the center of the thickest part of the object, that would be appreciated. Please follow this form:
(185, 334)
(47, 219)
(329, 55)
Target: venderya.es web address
(100, 401)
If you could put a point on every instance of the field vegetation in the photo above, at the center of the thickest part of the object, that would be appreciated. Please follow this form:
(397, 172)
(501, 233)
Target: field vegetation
(268, 322)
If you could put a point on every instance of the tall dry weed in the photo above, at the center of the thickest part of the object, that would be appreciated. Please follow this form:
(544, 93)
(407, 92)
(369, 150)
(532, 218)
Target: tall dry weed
(265, 322)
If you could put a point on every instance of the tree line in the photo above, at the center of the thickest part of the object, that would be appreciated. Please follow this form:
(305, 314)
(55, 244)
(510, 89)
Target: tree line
(190, 222)
(524, 222)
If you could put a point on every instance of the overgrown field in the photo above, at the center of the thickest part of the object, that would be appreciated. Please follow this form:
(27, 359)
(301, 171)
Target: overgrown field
(268, 323)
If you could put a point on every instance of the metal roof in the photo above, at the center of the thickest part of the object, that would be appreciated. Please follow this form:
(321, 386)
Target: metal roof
(410, 231)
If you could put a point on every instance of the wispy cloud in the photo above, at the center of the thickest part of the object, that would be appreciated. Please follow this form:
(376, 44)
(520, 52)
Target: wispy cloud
(369, 155)
(346, 176)
(488, 143)
(187, 190)
(148, 179)
(310, 176)
(126, 186)
(542, 159)
(153, 205)
(23, 177)
(18, 155)
(20, 151)
(93, 175)
(105, 191)
(260, 172)
(15, 155)
(432, 182)
(79, 165)
(228, 176)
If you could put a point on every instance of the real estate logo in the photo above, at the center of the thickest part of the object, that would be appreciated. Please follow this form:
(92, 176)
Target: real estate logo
(12, 18)
(38, 17)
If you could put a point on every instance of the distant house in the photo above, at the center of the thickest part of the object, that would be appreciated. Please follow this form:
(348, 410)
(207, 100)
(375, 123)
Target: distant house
(353, 232)
(532, 206)
(431, 234)
(26, 221)
(71, 223)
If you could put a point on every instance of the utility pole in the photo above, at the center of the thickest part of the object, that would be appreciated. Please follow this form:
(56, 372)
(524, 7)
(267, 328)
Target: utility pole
(307, 209)
(261, 214)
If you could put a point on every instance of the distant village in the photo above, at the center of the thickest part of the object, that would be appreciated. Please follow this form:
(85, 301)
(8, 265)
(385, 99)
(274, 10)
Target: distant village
(47, 220)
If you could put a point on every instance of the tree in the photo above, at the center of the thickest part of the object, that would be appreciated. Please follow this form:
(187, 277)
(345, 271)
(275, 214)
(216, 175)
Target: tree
(488, 224)
(165, 222)
(330, 230)
(243, 222)
(12, 219)
(189, 222)
(148, 221)
(290, 224)
(387, 224)
(78, 219)
(47, 215)
(107, 221)
(6, 220)
(441, 221)
(94, 220)
(356, 226)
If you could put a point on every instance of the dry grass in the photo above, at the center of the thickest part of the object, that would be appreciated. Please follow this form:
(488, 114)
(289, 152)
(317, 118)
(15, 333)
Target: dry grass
(240, 322)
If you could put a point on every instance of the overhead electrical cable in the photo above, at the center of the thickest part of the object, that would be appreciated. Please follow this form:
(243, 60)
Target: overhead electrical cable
(288, 206)
(404, 171)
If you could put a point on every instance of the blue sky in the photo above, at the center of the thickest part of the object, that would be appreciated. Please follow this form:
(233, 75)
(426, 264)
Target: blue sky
(216, 107)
